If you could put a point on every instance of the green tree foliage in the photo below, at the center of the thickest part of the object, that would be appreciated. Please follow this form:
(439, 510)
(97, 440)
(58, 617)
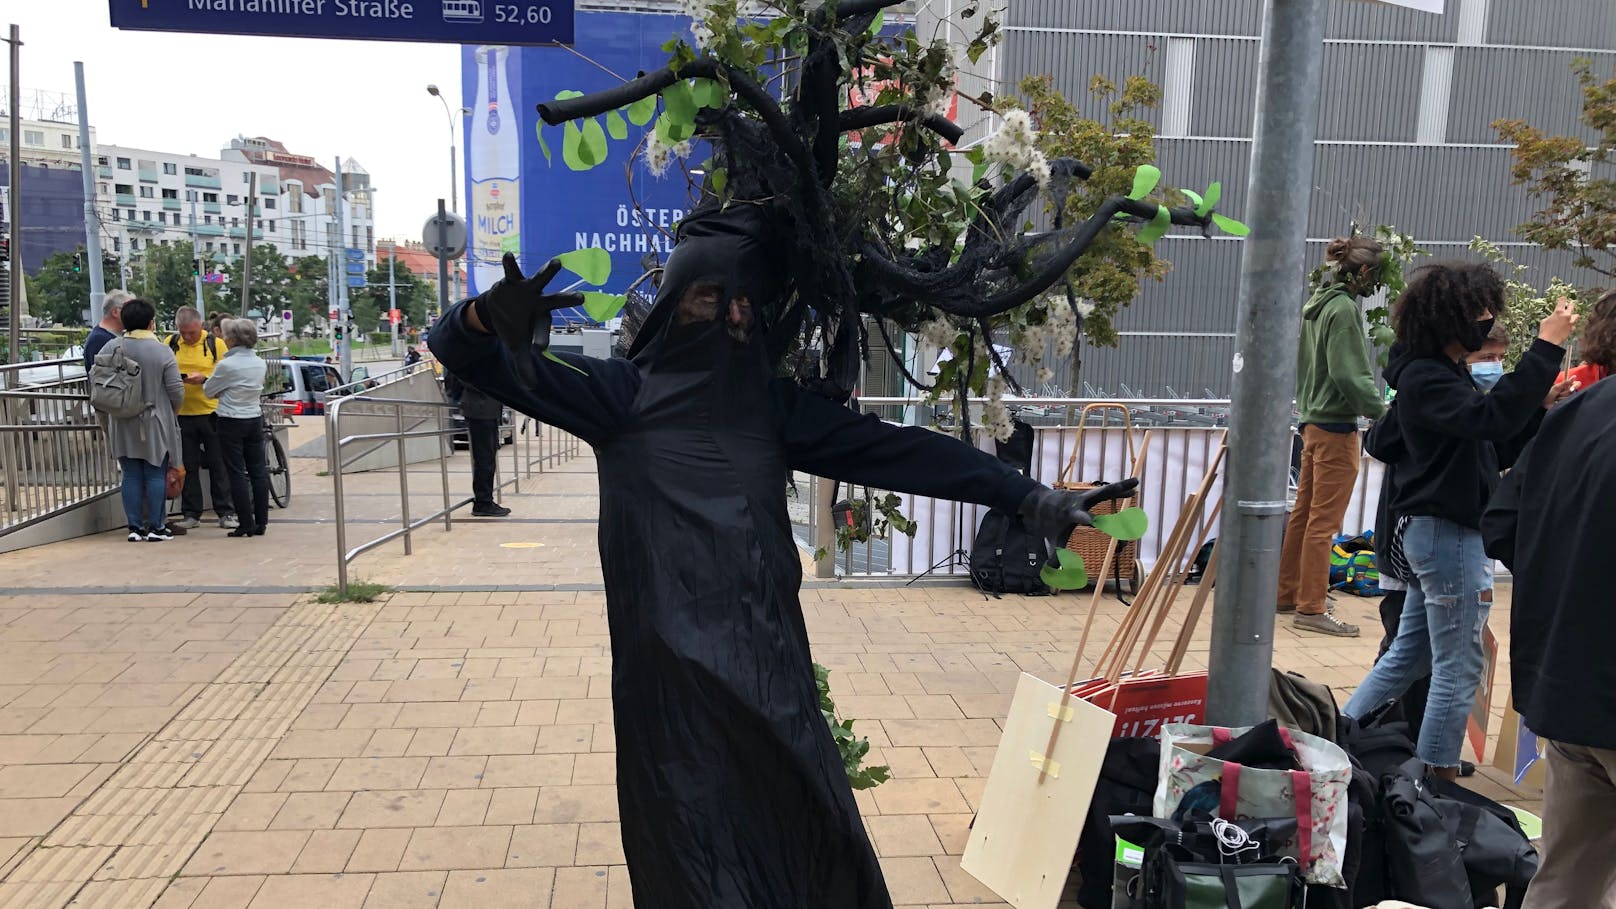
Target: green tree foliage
(309, 296)
(166, 277)
(1525, 306)
(370, 304)
(1572, 178)
(272, 281)
(60, 295)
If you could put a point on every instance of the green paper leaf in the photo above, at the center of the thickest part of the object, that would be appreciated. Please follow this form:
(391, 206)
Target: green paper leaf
(543, 145)
(880, 20)
(602, 307)
(1194, 197)
(550, 355)
(681, 102)
(1071, 575)
(1230, 226)
(708, 93)
(568, 93)
(1126, 525)
(1144, 180)
(572, 140)
(719, 178)
(593, 264)
(641, 111)
(615, 125)
(1157, 228)
(592, 150)
(1213, 194)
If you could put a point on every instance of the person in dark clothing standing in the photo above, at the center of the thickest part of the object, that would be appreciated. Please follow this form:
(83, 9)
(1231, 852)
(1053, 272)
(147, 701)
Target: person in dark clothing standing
(482, 415)
(1455, 440)
(1335, 385)
(1552, 522)
(110, 326)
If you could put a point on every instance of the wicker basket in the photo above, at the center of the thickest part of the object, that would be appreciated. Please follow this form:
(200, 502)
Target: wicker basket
(1087, 542)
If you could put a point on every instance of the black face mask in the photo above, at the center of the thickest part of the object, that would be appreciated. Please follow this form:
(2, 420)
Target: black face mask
(1478, 335)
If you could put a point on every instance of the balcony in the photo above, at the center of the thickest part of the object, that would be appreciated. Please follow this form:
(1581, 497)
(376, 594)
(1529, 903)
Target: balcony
(269, 186)
(125, 199)
(211, 208)
(238, 233)
(148, 175)
(201, 182)
(146, 227)
(104, 171)
(209, 230)
(171, 205)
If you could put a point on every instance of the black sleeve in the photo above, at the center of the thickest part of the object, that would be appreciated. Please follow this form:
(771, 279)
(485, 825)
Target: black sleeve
(588, 397)
(1438, 397)
(1500, 522)
(829, 440)
(1384, 441)
(1510, 450)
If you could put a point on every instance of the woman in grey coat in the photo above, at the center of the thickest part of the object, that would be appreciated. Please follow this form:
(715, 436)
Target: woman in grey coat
(146, 444)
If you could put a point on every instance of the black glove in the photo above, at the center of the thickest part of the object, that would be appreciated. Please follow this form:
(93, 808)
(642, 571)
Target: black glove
(517, 311)
(1053, 513)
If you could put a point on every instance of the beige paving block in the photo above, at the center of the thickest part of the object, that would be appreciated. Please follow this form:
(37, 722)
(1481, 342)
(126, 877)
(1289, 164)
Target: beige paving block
(590, 711)
(536, 713)
(326, 852)
(514, 888)
(389, 743)
(953, 831)
(409, 890)
(576, 804)
(247, 852)
(393, 808)
(378, 773)
(527, 770)
(948, 761)
(228, 892)
(181, 893)
(580, 888)
(466, 808)
(935, 796)
(903, 835)
(498, 713)
(309, 774)
(511, 806)
(619, 889)
(327, 891)
(322, 743)
(530, 688)
(543, 845)
(310, 811)
(913, 880)
(438, 713)
(594, 769)
(379, 850)
(449, 848)
(566, 739)
(495, 740)
(269, 776)
(371, 716)
(600, 844)
(251, 811)
(962, 887)
(33, 817)
(41, 780)
(454, 772)
(425, 690)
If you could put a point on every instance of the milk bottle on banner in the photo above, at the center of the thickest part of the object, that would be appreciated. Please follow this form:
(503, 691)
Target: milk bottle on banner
(495, 159)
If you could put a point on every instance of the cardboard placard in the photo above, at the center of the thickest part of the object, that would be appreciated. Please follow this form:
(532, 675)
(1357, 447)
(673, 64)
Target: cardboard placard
(1481, 710)
(1518, 751)
(1143, 705)
(1025, 834)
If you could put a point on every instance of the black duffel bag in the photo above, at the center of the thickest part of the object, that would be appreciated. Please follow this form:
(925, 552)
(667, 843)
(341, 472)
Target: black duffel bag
(1209, 863)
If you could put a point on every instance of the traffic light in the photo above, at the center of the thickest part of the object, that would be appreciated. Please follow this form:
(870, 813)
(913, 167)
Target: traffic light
(78, 263)
(196, 267)
(336, 331)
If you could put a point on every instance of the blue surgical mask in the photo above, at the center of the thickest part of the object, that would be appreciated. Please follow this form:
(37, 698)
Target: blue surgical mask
(1487, 374)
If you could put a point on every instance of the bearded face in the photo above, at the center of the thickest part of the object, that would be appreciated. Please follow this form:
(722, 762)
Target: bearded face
(703, 301)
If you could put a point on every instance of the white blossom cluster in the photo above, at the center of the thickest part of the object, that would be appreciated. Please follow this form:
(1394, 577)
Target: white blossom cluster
(996, 419)
(939, 332)
(1016, 145)
(701, 14)
(659, 156)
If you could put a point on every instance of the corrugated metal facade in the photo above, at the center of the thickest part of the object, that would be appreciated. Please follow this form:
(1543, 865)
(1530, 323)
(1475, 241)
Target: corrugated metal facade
(1369, 165)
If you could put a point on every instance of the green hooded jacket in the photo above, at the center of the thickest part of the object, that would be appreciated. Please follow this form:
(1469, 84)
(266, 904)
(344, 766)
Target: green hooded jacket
(1334, 380)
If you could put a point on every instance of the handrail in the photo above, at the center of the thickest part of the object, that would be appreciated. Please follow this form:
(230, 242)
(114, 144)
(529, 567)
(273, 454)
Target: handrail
(53, 451)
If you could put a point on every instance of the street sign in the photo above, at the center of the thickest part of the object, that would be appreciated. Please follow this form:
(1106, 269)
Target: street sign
(446, 240)
(356, 268)
(394, 316)
(355, 255)
(438, 21)
(356, 280)
(286, 315)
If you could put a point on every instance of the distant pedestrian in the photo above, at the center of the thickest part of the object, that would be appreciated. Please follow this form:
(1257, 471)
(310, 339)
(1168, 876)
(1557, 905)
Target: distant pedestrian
(110, 326)
(1456, 439)
(1598, 346)
(412, 356)
(1335, 385)
(147, 444)
(1551, 522)
(482, 415)
(198, 353)
(238, 383)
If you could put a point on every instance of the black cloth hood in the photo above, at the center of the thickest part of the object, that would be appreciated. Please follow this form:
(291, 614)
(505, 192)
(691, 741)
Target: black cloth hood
(1397, 360)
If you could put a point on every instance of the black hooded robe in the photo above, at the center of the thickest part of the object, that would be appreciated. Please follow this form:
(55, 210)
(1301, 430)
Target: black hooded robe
(731, 791)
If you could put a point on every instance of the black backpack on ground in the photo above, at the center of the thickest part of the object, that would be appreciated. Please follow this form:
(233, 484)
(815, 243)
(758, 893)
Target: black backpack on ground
(1005, 556)
(1127, 786)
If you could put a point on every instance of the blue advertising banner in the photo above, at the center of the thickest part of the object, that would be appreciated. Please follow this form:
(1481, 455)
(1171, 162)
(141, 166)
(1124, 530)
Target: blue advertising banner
(520, 202)
(441, 21)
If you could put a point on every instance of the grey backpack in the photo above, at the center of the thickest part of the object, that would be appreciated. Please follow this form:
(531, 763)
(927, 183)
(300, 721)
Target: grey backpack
(115, 384)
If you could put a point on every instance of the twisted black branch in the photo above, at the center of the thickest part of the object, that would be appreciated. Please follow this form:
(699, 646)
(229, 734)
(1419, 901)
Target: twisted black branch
(865, 117)
(998, 361)
(892, 350)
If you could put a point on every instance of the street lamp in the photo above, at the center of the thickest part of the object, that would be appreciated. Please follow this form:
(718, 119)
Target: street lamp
(454, 181)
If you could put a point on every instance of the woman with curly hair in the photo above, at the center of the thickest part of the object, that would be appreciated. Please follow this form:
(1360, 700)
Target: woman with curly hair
(1455, 439)
(1598, 344)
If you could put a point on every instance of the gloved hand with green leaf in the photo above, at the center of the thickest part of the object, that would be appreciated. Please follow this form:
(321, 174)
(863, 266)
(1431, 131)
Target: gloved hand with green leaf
(517, 311)
(1055, 513)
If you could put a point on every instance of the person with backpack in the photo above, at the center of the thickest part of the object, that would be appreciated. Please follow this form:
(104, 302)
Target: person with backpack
(198, 353)
(136, 383)
(1335, 385)
(1455, 440)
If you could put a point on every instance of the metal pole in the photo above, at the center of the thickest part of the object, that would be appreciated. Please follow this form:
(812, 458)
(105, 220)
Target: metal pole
(14, 300)
(454, 201)
(333, 442)
(196, 260)
(345, 349)
(92, 220)
(392, 300)
(403, 478)
(246, 261)
(443, 260)
(1271, 283)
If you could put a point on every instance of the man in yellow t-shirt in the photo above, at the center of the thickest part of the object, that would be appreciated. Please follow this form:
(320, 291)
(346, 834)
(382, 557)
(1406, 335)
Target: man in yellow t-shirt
(198, 352)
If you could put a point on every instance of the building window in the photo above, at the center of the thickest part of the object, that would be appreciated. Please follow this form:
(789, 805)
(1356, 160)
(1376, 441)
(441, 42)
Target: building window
(170, 169)
(123, 164)
(269, 203)
(171, 194)
(195, 172)
(34, 137)
(100, 189)
(271, 227)
(232, 200)
(370, 240)
(117, 243)
(145, 216)
(116, 216)
(145, 192)
(210, 197)
(238, 248)
(208, 246)
(190, 195)
(259, 224)
(67, 141)
(207, 219)
(246, 177)
(99, 159)
(134, 244)
(124, 189)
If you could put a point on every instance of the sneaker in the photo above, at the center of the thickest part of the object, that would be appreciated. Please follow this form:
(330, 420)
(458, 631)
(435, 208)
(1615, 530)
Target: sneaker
(176, 530)
(1324, 623)
(229, 522)
(1285, 608)
(160, 535)
(136, 536)
(188, 522)
(490, 510)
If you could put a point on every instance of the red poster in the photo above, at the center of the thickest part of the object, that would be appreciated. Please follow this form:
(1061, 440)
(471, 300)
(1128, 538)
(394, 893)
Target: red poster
(1143, 705)
(1481, 710)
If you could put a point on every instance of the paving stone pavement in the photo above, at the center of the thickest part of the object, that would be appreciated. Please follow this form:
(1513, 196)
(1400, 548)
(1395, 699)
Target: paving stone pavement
(445, 747)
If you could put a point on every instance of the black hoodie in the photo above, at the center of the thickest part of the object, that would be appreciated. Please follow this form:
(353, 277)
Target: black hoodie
(1456, 437)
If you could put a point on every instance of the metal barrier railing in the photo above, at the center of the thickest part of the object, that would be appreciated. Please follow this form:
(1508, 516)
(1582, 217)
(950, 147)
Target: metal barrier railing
(53, 451)
(554, 446)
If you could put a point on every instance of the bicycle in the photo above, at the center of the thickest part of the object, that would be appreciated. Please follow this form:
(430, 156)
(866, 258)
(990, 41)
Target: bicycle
(277, 416)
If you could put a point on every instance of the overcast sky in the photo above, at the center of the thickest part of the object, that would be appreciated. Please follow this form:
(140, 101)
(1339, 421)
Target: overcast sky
(193, 93)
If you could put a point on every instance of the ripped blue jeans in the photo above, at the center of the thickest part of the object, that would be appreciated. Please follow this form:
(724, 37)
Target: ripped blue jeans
(1440, 633)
